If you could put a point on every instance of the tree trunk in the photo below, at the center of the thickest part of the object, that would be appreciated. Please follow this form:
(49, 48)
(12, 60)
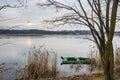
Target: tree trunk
(109, 63)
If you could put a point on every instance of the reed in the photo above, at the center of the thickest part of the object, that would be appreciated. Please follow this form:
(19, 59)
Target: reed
(117, 57)
(95, 67)
(117, 64)
(95, 63)
(41, 63)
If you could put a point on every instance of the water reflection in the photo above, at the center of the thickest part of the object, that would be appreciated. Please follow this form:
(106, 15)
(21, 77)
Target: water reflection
(29, 42)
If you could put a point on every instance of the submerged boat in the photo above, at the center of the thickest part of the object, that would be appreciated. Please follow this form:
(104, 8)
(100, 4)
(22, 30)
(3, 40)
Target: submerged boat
(75, 60)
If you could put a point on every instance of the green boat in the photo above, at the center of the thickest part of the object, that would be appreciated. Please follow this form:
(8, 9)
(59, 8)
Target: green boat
(75, 60)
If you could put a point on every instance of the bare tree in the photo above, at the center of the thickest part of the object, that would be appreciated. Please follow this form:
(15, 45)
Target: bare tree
(101, 21)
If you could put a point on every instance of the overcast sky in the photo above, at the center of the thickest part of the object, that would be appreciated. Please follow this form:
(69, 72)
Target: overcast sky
(30, 17)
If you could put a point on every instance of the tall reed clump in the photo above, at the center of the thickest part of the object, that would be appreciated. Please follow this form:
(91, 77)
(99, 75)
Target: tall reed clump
(117, 57)
(41, 63)
(117, 64)
(95, 67)
(95, 62)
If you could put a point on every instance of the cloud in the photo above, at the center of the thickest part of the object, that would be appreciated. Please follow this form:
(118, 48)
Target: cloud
(33, 14)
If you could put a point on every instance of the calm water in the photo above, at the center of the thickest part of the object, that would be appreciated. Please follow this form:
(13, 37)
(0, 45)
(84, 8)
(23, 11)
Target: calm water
(13, 48)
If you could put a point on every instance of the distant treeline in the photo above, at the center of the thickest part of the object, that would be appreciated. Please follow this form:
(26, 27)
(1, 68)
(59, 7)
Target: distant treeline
(37, 32)
(33, 31)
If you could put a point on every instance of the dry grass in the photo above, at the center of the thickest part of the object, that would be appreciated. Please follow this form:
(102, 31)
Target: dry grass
(2, 67)
(117, 64)
(41, 63)
(95, 67)
(117, 57)
(95, 64)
